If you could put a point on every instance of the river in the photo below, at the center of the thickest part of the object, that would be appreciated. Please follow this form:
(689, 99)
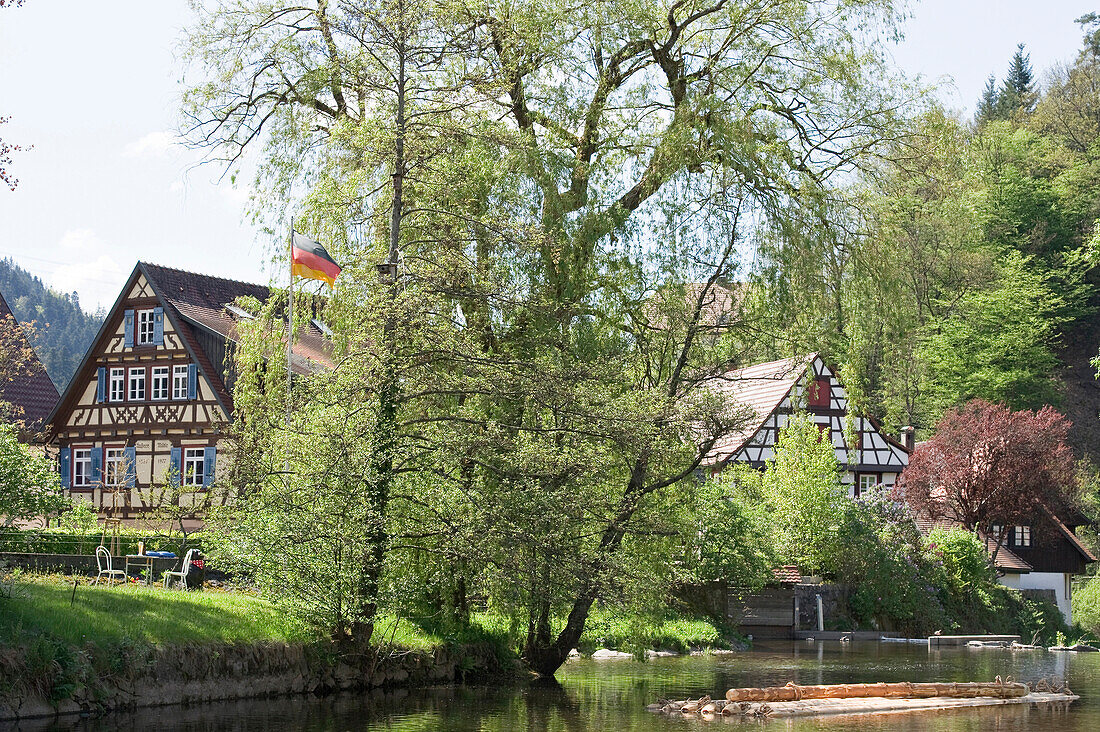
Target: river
(612, 695)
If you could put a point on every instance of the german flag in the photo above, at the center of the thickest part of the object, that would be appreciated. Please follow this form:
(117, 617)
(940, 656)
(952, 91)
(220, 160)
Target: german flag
(310, 260)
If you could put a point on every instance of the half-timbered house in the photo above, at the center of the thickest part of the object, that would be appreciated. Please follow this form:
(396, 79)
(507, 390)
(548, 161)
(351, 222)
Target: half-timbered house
(1041, 556)
(149, 403)
(771, 392)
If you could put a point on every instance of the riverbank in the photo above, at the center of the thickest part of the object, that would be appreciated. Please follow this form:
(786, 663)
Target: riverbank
(66, 650)
(69, 648)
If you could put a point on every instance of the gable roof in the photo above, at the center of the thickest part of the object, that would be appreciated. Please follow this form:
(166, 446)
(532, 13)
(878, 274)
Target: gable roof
(760, 389)
(1070, 536)
(196, 305)
(31, 389)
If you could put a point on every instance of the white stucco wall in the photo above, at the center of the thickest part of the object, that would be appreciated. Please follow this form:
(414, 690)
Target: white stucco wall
(1057, 581)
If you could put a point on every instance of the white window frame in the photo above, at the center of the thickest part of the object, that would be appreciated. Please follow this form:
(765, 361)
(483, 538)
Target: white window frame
(146, 327)
(136, 375)
(162, 376)
(194, 466)
(1023, 536)
(179, 381)
(114, 466)
(999, 529)
(82, 458)
(118, 384)
(862, 489)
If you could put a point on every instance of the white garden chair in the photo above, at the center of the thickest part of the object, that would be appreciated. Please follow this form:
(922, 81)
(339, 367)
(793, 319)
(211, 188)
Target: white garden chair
(182, 574)
(103, 561)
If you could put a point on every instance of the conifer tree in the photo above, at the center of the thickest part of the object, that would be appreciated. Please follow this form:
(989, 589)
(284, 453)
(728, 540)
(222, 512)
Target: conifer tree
(987, 104)
(1018, 91)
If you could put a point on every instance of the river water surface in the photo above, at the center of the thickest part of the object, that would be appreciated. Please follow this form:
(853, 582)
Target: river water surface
(612, 695)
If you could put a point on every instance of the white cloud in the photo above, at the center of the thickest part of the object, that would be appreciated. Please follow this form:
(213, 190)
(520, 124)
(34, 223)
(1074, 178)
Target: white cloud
(93, 274)
(155, 144)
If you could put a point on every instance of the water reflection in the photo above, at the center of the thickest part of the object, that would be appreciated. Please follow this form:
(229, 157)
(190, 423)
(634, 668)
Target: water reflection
(607, 695)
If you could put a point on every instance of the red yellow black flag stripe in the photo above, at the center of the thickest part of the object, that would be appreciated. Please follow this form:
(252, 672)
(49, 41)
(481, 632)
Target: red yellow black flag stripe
(310, 260)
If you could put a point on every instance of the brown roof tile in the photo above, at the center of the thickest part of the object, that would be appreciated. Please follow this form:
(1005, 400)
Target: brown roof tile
(788, 574)
(32, 390)
(760, 389)
(202, 299)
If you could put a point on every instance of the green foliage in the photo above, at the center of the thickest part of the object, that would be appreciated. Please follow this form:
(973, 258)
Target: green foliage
(62, 540)
(804, 498)
(1086, 605)
(731, 542)
(29, 485)
(64, 331)
(885, 568)
(996, 343)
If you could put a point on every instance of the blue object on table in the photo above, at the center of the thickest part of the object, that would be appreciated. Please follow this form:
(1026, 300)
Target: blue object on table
(161, 555)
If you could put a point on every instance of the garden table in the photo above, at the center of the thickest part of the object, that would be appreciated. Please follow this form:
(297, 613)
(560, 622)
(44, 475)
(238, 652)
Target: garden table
(139, 560)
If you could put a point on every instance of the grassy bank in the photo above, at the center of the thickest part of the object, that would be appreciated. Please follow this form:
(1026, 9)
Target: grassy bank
(104, 614)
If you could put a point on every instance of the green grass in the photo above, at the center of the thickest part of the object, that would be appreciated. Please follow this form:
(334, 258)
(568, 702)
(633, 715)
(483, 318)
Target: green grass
(104, 614)
(605, 629)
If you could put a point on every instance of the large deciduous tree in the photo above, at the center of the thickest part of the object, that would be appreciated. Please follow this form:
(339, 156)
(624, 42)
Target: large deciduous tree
(988, 465)
(585, 170)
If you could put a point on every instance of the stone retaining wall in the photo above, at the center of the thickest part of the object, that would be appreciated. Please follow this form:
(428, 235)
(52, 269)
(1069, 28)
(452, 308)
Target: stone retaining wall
(195, 674)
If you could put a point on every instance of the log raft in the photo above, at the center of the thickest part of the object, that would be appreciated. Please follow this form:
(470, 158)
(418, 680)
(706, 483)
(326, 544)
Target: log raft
(796, 701)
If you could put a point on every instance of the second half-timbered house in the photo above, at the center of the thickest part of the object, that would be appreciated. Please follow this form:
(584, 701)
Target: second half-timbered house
(771, 392)
(148, 406)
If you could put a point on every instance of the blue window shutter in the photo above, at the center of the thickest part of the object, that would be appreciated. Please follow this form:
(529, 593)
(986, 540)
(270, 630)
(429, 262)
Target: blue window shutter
(192, 381)
(128, 318)
(174, 459)
(130, 456)
(101, 384)
(158, 326)
(97, 465)
(63, 461)
(208, 455)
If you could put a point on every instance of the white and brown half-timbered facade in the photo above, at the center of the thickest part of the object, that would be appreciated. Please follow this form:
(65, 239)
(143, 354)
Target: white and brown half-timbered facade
(147, 408)
(771, 392)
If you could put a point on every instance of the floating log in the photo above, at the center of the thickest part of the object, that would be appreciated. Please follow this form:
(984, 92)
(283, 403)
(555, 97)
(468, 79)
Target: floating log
(905, 690)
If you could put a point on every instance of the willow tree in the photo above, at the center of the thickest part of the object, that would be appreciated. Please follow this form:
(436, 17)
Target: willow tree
(632, 127)
(349, 107)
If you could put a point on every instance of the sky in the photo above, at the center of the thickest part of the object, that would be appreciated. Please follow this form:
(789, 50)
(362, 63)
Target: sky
(94, 87)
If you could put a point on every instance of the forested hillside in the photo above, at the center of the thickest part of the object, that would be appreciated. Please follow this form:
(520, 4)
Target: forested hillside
(968, 267)
(62, 329)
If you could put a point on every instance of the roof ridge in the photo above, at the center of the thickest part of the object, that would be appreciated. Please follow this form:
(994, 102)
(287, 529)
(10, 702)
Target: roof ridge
(200, 274)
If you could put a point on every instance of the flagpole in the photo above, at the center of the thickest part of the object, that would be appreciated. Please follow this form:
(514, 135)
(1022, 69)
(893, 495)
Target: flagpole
(290, 320)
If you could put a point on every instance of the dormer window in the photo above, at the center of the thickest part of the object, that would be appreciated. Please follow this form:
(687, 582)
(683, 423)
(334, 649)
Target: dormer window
(146, 332)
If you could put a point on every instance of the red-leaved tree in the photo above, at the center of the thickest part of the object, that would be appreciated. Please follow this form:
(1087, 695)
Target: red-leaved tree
(990, 466)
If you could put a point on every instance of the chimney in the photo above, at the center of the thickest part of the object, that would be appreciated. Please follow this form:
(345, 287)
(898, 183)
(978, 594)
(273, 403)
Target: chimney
(908, 438)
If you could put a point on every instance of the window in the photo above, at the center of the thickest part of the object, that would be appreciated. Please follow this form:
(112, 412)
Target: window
(146, 326)
(998, 532)
(114, 469)
(160, 382)
(866, 483)
(137, 385)
(193, 465)
(820, 392)
(1023, 536)
(82, 468)
(179, 381)
(118, 385)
